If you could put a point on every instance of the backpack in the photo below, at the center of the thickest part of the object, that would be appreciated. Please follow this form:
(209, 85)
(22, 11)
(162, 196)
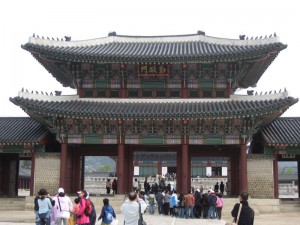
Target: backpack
(159, 197)
(108, 215)
(173, 201)
(151, 200)
(88, 208)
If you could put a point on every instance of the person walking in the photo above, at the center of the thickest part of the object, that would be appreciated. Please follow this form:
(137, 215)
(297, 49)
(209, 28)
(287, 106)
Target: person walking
(44, 207)
(81, 217)
(135, 185)
(132, 208)
(93, 215)
(189, 206)
(151, 203)
(219, 206)
(212, 201)
(159, 199)
(115, 186)
(62, 207)
(166, 205)
(246, 214)
(107, 213)
(108, 186)
(222, 188)
(217, 188)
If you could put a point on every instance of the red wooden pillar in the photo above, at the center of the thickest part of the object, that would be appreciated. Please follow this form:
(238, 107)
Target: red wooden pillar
(243, 168)
(185, 183)
(121, 169)
(275, 171)
(130, 169)
(178, 170)
(159, 168)
(32, 173)
(63, 164)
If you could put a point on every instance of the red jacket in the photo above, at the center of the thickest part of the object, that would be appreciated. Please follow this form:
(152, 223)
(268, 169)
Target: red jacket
(81, 217)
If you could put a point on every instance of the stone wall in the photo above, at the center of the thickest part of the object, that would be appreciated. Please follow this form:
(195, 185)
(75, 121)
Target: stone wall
(47, 172)
(260, 176)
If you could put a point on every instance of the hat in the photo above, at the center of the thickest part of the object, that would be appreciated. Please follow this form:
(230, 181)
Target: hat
(82, 191)
(61, 190)
(211, 191)
(198, 190)
(43, 191)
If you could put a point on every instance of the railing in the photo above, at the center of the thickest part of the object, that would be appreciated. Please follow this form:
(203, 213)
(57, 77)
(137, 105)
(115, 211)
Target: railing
(24, 183)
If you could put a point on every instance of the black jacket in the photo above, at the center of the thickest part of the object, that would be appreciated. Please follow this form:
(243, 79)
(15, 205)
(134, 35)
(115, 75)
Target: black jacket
(246, 216)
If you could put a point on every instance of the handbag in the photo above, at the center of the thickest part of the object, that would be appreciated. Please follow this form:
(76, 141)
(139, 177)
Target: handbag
(62, 213)
(237, 218)
(141, 221)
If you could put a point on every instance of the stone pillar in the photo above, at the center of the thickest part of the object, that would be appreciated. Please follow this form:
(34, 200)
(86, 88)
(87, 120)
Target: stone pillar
(275, 171)
(121, 169)
(63, 164)
(243, 168)
(32, 173)
(185, 179)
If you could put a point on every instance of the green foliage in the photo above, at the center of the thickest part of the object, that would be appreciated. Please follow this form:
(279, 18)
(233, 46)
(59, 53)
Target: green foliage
(105, 168)
(289, 171)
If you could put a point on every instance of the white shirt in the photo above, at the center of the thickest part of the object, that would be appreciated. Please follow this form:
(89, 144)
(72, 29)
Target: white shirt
(130, 211)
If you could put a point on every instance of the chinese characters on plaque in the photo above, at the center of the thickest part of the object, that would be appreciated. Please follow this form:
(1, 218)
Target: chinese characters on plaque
(153, 70)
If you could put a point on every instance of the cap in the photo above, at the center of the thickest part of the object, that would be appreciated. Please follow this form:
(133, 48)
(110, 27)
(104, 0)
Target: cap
(211, 191)
(61, 190)
(198, 190)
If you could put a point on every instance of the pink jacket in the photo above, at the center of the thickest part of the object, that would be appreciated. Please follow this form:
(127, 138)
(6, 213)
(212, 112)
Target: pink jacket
(83, 219)
(220, 202)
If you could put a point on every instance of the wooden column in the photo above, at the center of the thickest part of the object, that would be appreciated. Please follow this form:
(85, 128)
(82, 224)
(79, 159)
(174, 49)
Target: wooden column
(121, 169)
(185, 184)
(243, 168)
(275, 171)
(179, 170)
(32, 173)
(63, 164)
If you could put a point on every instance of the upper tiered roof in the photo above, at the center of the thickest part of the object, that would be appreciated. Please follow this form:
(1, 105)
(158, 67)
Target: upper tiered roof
(173, 48)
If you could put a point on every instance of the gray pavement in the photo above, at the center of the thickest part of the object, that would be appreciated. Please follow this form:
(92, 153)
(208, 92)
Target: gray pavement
(27, 218)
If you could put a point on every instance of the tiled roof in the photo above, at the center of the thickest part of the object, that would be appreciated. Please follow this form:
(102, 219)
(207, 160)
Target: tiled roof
(154, 108)
(283, 131)
(122, 48)
(19, 130)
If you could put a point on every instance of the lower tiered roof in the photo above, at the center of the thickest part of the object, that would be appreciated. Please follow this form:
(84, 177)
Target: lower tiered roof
(235, 107)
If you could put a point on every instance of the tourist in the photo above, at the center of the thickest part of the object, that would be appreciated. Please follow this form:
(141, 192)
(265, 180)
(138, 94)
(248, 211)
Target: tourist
(44, 204)
(201, 190)
(198, 205)
(93, 215)
(130, 209)
(181, 205)
(108, 186)
(135, 185)
(139, 188)
(222, 188)
(189, 206)
(174, 203)
(247, 213)
(219, 205)
(146, 186)
(107, 213)
(217, 188)
(36, 210)
(62, 207)
(81, 218)
(155, 188)
(212, 201)
(159, 199)
(76, 207)
(114, 186)
(204, 200)
(166, 204)
(151, 201)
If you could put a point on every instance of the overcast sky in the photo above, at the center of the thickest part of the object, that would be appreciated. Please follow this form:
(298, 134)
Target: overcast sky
(92, 19)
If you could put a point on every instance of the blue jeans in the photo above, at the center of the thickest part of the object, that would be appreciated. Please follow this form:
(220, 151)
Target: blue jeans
(181, 213)
(160, 208)
(212, 212)
(189, 211)
(44, 219)
(151, 209)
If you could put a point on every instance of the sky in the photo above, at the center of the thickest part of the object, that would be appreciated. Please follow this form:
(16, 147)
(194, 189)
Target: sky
(93, 19)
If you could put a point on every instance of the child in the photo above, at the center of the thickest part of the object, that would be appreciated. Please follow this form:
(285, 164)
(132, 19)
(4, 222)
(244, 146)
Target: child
(75, 209)
(107, 213)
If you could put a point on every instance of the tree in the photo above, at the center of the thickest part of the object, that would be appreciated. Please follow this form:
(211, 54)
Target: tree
(105, 168)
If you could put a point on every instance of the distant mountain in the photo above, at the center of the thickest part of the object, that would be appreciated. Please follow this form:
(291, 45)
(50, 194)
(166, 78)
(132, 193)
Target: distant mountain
(94, 163)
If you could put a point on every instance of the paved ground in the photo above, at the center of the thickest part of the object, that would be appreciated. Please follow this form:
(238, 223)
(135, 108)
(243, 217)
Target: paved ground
(26, 218)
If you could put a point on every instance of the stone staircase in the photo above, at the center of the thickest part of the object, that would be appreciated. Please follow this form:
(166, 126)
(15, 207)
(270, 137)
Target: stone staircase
(290, 205)
(12, 204)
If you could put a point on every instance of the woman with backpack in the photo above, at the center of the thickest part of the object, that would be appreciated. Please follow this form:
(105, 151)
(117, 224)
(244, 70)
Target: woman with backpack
(107, 213)
(82, 216)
